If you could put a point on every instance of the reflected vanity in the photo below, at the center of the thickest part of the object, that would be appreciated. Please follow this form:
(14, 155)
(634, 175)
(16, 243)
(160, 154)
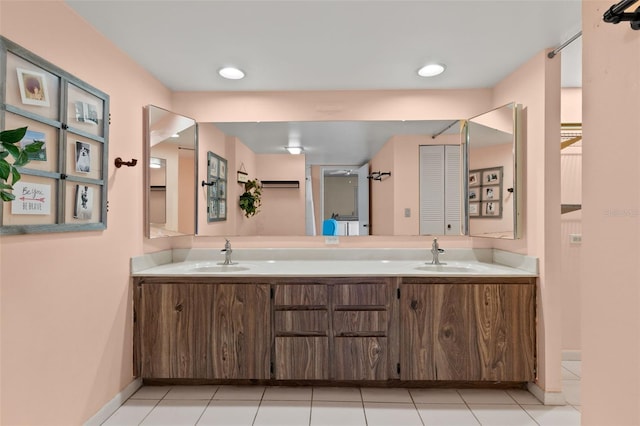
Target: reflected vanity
(170, 173)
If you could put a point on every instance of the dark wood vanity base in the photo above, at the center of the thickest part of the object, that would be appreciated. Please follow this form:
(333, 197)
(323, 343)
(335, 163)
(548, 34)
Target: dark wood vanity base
(462, 332)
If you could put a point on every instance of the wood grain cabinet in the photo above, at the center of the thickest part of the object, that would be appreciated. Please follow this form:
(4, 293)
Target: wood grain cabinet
(333, 329)
(202, 331)
(475, 331)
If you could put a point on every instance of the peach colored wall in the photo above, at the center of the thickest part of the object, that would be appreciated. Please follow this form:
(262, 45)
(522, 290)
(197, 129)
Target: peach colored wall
(536, 85)
(282, 211)
(611, 221)
(186, 197)
(66, 325)
(571, 223)
(382, 201)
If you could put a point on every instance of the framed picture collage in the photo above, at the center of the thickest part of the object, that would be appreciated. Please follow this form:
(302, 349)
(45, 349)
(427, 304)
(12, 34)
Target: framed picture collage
(63, 187)
(485, 193)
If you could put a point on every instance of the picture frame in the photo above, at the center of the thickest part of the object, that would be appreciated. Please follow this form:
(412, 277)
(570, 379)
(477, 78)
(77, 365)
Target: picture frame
(492, 176)
(217, 192)
(83, 208)
(33, 136)
(86, 112)
(83, 157)
(491, 209)
(474, 194)
(474, 209)
(474, 178)
(491, 192)
(33, 87)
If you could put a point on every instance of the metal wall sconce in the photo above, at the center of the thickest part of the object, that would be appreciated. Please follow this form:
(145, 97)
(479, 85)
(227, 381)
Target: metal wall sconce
(119, 162)
(378, 175)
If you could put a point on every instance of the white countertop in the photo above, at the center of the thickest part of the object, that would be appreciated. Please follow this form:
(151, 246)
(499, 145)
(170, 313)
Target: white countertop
(334, 263)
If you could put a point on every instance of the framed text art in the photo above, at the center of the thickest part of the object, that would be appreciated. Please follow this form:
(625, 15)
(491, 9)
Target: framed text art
(64, 185)
(216, 188)
(485, 193)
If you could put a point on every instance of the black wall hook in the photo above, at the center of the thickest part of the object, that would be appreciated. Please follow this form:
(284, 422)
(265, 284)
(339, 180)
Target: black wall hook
(207, 183)
(119, 162)
(378, 175)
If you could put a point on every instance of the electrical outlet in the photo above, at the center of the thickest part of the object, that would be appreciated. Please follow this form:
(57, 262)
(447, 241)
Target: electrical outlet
(331, 239)
(575, 238)
(407, 212)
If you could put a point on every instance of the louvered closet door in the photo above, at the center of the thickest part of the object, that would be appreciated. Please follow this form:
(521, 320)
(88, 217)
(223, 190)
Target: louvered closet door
(432, 190)
(452, 190)
(440, 190)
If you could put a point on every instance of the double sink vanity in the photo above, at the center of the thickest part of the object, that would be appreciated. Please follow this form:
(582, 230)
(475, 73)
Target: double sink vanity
(335, 316)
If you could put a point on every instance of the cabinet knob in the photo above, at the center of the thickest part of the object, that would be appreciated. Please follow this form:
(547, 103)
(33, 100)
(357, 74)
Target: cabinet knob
(414, 304)
(179, 307)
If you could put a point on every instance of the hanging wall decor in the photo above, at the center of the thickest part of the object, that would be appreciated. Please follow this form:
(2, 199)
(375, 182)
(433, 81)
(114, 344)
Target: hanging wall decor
(64, 186)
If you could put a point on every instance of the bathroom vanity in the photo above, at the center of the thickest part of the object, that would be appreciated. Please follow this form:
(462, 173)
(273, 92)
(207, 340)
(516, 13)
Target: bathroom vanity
(290, 321)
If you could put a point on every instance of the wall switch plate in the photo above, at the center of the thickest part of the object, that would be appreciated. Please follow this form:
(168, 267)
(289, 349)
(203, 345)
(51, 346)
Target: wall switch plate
(407, 212)
(575, 238)
(331, 239)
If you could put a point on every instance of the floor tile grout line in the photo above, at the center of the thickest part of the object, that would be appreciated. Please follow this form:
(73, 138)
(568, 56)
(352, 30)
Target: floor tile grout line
(255, 416)
(311, 406)
(416, 408)
(468, 408)
(364, 410)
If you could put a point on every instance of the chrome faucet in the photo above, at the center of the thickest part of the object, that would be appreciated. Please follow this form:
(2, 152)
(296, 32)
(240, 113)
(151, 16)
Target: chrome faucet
(436, 250)
(227, 253)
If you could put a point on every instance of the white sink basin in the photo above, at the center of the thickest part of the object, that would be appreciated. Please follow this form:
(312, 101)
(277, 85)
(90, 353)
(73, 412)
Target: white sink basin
(217, 269)
(444, 268)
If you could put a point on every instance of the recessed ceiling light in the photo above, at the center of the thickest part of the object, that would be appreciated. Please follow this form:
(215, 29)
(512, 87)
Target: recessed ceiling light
(231, 73)
(431, 70)
(295, 150)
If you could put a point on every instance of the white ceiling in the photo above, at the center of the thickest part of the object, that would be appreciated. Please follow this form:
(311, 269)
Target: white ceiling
(336, 45)
(327, 45)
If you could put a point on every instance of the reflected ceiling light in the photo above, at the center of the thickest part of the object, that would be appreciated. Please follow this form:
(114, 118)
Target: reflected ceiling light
(231, 73)
(175, 135)
(295, 150)
(155, 163)
(431, 70)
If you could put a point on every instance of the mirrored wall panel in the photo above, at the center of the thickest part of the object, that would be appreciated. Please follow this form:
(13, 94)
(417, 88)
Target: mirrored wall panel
(494, 173)
(170, 173)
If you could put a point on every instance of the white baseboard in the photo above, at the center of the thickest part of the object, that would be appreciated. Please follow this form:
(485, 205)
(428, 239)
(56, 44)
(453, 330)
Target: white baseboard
(110, 407)
(572, 355)
(547, 398)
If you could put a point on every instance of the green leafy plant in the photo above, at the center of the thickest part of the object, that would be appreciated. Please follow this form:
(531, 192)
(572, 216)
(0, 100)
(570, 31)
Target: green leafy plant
(10, 148)
(250, 199)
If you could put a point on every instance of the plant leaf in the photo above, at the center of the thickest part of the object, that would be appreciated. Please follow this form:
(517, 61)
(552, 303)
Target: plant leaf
(7, 196)
(5, 186)
(13, 136)
(12, 149)
(5, 170)
(3, 154)
(34, 147)
(22, 159)
(15, 175)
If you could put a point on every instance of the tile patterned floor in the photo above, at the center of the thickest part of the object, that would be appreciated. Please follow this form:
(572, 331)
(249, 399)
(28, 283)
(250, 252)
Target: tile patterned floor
(316, 406)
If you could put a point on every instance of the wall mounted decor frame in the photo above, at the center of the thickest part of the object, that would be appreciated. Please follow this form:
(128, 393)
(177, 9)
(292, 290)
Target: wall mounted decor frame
(216, 188)
(485, 193)
(65, 187)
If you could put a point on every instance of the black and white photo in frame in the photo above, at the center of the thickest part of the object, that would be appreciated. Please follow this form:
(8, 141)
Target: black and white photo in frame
(83, 157)
(84, 202)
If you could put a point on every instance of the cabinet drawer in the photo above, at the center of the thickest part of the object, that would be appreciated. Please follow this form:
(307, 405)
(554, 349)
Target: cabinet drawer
(300, 295)
(302, 358)
(301, 322)
(360, 295)
(359, 322)
(360, 358)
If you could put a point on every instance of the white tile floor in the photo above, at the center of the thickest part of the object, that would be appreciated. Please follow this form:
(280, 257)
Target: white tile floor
(284, 406)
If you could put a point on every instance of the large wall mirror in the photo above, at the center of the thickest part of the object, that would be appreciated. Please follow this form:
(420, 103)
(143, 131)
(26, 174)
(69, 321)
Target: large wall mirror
(494, 179)
(170, 173)
(364, 174)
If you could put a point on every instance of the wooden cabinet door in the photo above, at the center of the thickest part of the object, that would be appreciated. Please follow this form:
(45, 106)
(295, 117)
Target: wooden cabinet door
(470, 332)
(170, 326)
(302, 358)
(360, 358)
(240, 333)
